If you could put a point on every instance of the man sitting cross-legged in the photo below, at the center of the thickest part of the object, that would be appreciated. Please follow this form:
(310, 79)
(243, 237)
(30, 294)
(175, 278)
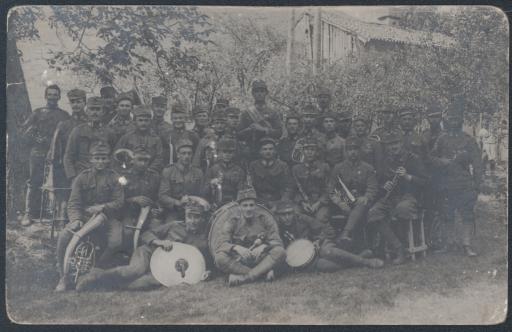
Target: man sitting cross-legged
(251, 230)
(136, 275)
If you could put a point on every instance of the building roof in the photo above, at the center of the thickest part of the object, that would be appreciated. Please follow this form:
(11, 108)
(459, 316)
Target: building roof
(373, 31)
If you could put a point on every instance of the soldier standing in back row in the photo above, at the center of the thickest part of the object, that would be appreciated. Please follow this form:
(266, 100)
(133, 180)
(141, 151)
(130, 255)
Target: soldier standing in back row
(38, 131)
(144, 136)
(287, 143)
(344, 124)
(160, 126)
(179, 132)
(76, 157)
(77, 100)
(201, 119)
(457, 159)
(369, 147)
(108, 95)
(259, 121)
(122, 122)
(334, 144)
(412, 140)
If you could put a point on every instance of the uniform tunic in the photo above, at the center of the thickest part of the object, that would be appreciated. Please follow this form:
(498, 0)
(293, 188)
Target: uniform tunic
(334, 150)
(177, 136)
(121, 127)
(271, 180)
(176, 183)
(151, 142)
(163, 130)
(233, 179)
(285, 149)
(76, 158)
(269, 119)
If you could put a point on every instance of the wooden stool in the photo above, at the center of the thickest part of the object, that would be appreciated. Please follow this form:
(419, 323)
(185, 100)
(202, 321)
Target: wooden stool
(412, 248)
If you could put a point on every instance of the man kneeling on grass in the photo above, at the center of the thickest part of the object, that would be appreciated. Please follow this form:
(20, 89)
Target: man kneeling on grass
(249, 244)
(329, 258)
(136, 275)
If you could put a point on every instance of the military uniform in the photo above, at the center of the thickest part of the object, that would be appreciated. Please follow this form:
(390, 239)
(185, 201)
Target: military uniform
(344, 124)
(270, 178)
(402, 203)
(287, 143)
(178, 181)
(240, 231)
(38, 131)
(92, 187)
(178, 135)
(150, 141)
(334, 149)
(312, 178)
(361, 180)
(459, 178)
(262, 115)
(198, 128)
(108, 94)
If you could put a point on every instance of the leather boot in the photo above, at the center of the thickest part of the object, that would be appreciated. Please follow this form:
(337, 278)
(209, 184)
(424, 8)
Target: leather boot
(27, 217)
(467, 237)
(90, 279)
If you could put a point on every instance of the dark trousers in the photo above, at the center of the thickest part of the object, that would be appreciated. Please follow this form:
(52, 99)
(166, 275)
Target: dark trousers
(34, 183)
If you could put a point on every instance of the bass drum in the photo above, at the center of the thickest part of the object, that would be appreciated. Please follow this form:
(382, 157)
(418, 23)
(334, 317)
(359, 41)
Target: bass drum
(225, 213)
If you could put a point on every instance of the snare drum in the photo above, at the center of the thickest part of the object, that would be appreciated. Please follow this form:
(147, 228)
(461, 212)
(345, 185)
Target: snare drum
(300, 253)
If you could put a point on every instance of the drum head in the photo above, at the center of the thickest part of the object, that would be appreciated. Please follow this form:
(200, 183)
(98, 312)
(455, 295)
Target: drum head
(300, 253)
(225, 213)
(183, 264)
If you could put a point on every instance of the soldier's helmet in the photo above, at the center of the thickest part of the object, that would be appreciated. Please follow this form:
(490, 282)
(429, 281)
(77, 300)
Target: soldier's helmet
(159, 100)
(259, 84)
(246, 193)
(284, 206)
(185, 142)
(76, 94)
(227, 144)
(99, 148)
(141, 111)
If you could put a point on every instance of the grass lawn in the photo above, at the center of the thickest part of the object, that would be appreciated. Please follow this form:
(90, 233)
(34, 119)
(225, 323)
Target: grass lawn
(441, 289)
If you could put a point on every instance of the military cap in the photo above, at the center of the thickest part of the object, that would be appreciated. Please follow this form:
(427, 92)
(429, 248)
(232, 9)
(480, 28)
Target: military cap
(309, 143)
(198, 109)
(232, 111)
(159, 100)
(141, 151)
(99, 148)
(141, 110)
(222, 101)
(95, 102)
(391, 137)
(309, 109)
(178, 107)
(323, 91)
(108, 92)
(184, 143)
(218, 116)
(293, 114)
(259, 84)
(362, 117)
(353, 141)
(194, 206)
(284, 206)
(344, 115)
(227, 144)
(267, 140)
(76, 94)
(246, 193)
(124, 96)
(331, 115)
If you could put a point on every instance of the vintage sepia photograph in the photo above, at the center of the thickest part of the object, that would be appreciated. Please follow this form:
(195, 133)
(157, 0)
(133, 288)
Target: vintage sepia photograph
(257, 165)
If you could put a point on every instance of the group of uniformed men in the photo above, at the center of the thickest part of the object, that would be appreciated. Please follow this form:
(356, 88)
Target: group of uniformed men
(321, 173)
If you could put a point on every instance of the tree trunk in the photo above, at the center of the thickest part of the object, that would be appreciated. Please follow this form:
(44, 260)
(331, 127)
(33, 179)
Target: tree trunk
(18, 109)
